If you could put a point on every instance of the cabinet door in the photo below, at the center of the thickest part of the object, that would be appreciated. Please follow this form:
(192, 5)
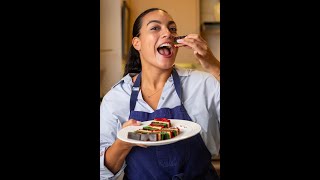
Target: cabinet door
(110, 70)
(110, 25)
(110, 44)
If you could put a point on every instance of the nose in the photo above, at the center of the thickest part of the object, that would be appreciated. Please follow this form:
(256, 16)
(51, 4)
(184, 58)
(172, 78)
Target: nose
(167, 33)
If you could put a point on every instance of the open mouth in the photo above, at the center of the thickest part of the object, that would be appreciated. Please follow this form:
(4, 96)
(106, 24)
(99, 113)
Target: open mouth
(165, 49)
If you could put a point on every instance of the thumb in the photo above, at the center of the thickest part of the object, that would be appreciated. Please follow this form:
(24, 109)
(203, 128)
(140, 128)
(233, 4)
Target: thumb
(195, 52)
(131, 122)
(197, 55)
(135, 122)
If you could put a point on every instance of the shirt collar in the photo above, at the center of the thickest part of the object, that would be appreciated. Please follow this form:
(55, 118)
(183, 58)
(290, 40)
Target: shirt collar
(181, 72)
(127, 79)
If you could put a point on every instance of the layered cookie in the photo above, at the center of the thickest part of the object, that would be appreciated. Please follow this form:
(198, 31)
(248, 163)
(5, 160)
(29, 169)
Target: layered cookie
(159, 129)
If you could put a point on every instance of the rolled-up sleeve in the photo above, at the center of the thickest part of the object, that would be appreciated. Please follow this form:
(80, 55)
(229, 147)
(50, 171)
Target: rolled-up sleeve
(109, 125)
(216, 98)
(213, 139)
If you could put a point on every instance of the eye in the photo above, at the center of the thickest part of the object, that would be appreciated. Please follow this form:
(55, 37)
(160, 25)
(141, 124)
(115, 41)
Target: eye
(173, 29)
(155, 28)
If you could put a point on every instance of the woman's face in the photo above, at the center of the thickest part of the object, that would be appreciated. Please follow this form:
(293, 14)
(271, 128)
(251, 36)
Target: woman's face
(155, 42)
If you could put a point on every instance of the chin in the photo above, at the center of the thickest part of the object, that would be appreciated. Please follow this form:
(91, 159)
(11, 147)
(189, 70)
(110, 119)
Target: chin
(166, 63)
(167, 67)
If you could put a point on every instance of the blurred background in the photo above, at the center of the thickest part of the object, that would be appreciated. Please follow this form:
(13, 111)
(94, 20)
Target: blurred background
(117, 18)
(116, 22)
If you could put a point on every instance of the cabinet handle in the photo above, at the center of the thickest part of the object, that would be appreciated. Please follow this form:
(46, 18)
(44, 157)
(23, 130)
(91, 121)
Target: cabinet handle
(105, 50)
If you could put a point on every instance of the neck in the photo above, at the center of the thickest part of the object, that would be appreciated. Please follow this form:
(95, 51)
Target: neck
(154, 78)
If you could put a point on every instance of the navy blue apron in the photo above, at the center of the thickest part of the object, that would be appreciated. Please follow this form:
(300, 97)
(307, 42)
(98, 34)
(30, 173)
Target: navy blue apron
(186, 159)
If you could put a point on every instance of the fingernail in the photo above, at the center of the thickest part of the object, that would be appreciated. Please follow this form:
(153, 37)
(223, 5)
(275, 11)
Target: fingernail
(138, 122)
(179, 40)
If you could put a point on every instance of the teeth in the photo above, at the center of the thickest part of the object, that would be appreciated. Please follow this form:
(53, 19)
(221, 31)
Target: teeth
(166, 44)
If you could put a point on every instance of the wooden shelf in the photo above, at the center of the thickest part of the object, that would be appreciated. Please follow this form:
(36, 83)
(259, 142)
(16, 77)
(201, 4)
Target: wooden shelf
(211, 23)
(216, 165)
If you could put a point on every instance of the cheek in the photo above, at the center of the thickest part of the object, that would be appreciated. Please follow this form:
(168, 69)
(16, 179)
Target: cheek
(149, 47)
(150, 43)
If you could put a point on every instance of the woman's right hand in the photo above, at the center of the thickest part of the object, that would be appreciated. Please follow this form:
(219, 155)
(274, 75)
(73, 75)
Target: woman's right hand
(132, 122)
(202, 53)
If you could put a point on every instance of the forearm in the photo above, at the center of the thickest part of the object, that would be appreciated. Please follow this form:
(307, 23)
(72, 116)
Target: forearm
(116, 154)
(215, 71)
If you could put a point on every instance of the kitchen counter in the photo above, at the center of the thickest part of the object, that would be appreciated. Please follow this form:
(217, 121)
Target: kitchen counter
(216, 165)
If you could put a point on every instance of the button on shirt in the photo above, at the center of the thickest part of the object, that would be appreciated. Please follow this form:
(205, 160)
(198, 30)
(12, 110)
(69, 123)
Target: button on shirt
(200, 97)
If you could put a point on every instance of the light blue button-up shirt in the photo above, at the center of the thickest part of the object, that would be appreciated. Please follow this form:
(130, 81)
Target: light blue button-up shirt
(200, 96)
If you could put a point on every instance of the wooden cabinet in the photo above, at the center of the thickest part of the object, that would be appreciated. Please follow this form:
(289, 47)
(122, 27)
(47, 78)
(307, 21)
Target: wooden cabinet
(216, 165)
(210, 11)
(110, 44)
(110, 25)
(110, 70)
(210, 24)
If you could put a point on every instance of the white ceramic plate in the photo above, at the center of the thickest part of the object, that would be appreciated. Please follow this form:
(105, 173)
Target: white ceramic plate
(187, 129)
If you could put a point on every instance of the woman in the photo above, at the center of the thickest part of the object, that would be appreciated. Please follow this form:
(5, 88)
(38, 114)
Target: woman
(153, 87)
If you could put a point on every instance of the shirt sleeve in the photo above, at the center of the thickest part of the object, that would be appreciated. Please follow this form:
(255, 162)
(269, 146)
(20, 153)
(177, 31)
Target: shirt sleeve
(216, 98)
(109, 126)
(212, 134)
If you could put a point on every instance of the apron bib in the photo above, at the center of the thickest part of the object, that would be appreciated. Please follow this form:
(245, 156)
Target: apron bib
(186, 159)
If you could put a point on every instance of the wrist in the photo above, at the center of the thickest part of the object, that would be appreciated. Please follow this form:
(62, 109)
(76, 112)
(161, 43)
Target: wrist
(214, 67)
(215, 71)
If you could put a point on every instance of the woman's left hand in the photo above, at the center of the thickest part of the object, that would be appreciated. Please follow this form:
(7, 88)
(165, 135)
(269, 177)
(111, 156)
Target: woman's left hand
(202, 53)
(132, 122)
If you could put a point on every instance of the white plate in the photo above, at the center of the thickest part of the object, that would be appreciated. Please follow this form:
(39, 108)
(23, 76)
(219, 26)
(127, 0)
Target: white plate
(187, 129)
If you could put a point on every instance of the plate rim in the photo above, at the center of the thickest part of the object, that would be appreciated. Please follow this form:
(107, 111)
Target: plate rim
(194, 131)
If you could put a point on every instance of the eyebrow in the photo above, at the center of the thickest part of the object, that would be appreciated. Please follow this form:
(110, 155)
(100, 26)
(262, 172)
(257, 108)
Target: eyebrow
(157, 21)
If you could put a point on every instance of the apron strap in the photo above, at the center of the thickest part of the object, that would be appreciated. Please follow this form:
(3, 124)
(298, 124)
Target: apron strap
(177, 84)
(135, 92)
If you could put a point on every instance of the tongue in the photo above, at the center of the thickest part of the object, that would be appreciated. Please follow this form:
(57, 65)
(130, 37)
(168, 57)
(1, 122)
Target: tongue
(164, 51)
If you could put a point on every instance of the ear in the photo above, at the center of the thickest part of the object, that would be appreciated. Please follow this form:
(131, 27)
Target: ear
(136, 43)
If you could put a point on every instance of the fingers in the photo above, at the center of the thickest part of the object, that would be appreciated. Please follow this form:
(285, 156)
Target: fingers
(129, 145)
(196, 37)
(182, 45)
(141, 145)
(196, 54)
(131, 122)
(195, 44)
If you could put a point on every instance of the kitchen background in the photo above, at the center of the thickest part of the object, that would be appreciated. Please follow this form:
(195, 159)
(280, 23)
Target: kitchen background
(117, 18)
(116, 21)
